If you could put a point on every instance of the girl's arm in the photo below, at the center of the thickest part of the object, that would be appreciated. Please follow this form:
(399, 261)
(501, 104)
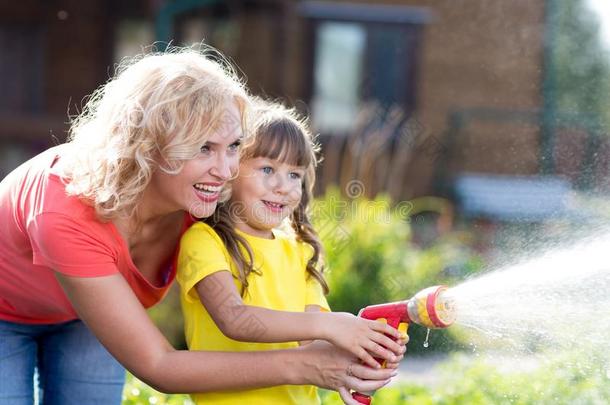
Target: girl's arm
(310, 308)
(110, 309)
(247, 323)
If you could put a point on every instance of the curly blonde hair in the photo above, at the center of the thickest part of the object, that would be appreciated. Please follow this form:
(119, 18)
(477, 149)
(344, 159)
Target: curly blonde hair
(156, 112)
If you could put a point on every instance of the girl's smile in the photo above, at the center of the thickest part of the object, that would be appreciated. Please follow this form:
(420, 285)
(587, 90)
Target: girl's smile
(274, 207)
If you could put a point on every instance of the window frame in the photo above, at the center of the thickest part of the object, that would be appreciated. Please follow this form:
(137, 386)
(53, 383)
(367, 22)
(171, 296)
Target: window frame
(370, 16)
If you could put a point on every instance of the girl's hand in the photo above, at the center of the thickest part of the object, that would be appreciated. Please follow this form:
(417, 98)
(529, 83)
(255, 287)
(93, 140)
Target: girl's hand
(362, 337)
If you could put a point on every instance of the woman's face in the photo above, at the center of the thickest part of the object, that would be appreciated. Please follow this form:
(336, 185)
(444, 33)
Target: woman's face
(196, 188)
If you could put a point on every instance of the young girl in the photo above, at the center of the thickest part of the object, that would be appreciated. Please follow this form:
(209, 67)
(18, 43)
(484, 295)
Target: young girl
(262, 286)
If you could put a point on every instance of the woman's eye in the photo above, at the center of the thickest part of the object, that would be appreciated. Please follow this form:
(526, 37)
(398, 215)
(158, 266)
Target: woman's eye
(267, 170)
(205, 149)
(235, 146)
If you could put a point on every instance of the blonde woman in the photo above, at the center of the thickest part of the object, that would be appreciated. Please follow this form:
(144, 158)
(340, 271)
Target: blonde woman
(90, 231)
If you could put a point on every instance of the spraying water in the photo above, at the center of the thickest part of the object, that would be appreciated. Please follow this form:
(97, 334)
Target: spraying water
(554, 309)
(539, 331)
(558, 300)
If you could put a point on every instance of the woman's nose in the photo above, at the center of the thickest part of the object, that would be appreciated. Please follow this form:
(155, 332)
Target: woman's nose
(223, 167)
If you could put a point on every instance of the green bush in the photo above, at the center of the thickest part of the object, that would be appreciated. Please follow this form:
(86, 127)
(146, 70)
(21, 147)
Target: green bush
(167, 315)
(371, 258)
(364, 242)
(567, 378)
(136, 392)
(575, 378)
(578, 378)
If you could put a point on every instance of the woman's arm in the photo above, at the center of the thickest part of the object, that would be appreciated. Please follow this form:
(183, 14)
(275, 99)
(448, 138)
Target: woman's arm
(235, 319)
(110, 309)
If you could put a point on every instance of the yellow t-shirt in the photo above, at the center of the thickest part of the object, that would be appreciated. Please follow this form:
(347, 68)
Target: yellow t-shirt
(283, 285)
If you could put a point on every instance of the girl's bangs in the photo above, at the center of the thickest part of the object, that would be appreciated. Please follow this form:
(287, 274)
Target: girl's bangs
(283, 142)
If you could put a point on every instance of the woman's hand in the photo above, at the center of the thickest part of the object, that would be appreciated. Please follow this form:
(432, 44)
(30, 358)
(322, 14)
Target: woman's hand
(404, 339)
(362, 337)
(329, 367)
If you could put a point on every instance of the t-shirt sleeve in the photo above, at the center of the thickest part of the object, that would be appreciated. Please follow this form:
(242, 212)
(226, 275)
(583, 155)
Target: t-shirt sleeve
(314, 294)
(70, 247)
(201, 253)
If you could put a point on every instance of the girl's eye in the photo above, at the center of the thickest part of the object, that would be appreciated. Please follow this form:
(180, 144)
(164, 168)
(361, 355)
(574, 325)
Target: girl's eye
(295, 175)
(267, 170)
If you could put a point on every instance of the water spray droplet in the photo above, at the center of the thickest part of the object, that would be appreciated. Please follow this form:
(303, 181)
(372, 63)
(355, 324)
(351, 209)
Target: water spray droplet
(426, 341)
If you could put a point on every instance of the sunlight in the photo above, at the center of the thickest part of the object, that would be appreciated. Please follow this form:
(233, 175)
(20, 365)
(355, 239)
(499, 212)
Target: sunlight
(602, 8)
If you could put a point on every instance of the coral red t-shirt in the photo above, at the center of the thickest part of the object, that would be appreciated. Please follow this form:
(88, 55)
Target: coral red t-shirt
(44, 230)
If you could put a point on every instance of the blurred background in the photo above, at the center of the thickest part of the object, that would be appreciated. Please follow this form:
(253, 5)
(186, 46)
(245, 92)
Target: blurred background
(456, 134)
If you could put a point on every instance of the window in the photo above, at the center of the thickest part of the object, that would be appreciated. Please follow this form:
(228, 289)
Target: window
(22, 68)
(337, 75)
(360, 53)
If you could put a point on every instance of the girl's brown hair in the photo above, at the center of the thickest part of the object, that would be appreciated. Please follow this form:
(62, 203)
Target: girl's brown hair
(279, 134)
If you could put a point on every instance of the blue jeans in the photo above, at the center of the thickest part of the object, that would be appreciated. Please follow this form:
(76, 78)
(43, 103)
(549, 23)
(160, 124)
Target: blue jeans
(72, 366)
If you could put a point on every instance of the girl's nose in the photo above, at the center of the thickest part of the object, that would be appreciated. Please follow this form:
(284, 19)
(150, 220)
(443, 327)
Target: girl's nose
(282, 186)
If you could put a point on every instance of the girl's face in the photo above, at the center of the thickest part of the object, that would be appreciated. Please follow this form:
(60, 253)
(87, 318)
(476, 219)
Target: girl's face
(196, 188)
(264, 194)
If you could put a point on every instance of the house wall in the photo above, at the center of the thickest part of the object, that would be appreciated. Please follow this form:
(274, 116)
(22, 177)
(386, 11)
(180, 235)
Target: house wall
(474, 53)
(76, 51)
